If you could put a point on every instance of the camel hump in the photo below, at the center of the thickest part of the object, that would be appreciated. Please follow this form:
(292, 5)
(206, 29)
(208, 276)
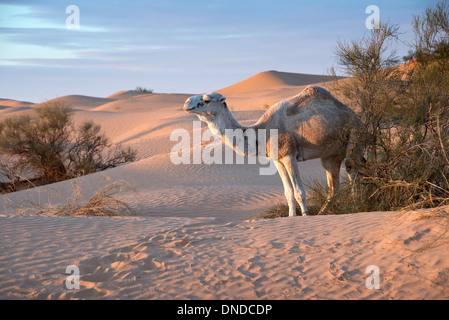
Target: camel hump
(310, 93)
(316, 92)
(320, 93)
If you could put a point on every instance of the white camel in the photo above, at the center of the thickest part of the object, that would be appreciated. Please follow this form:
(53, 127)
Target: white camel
(313, 124)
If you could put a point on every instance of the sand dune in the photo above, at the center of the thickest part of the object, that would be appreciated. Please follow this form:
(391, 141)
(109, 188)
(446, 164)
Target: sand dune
(320, 257)
(80, 102)
(195, 235)
(145, 102)
(269, 80)
(266, 88)
(14, 103)
(125, 94)
(9, 106)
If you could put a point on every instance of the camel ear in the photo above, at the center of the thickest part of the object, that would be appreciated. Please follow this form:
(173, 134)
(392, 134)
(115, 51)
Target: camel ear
(207, 98)
(213, 96)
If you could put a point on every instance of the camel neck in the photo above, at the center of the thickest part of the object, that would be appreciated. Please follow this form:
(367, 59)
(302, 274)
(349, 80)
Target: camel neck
(225, 122)
(243, 140)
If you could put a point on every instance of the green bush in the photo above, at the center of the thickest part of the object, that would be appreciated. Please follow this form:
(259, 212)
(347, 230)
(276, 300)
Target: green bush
(49, 147)
(404, 112)
(144, 90)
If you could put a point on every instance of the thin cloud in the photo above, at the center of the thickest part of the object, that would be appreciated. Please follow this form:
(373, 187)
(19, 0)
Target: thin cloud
(180, 45)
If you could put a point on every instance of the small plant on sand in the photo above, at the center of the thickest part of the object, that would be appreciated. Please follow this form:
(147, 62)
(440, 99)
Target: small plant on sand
(144, 90)
(279, 210)
(344, 201)
(104, 202)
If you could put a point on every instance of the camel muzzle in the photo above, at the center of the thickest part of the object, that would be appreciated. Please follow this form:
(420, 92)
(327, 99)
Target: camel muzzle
(188, 108)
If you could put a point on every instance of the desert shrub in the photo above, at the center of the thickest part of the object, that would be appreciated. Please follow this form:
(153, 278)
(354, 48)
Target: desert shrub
(404, 112)
(86, 153)
(49, 147)
(373, 88)
(144, 90)
(37, 144)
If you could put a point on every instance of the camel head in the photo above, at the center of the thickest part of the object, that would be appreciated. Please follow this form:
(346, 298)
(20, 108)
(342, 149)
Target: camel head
(209, 105)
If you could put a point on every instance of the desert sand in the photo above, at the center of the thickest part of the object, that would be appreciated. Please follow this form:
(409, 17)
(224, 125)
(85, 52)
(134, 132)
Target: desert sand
(195, 234)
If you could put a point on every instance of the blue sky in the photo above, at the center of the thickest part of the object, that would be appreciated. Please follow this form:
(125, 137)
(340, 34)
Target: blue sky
(175, 46)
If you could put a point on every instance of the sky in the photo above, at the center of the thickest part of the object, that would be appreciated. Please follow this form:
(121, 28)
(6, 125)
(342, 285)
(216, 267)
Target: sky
(176, 46)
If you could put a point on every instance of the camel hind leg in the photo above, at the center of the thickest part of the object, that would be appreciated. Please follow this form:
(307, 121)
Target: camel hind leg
(332, 166)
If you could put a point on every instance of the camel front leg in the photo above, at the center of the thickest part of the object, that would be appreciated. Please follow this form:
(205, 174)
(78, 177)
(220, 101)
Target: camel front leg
(291, 165)
(288, 188)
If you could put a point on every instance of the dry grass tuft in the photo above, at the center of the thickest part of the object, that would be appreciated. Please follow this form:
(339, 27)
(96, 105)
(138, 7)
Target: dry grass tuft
(102, 203)
(279, 210)
(317, 194)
